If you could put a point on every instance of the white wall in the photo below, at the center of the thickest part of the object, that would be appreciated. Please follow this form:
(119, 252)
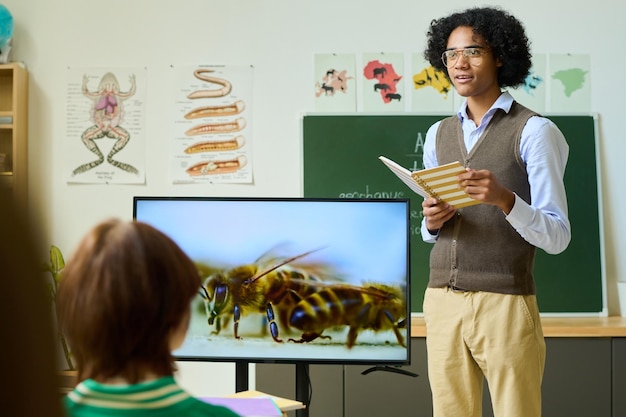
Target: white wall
(279, 38)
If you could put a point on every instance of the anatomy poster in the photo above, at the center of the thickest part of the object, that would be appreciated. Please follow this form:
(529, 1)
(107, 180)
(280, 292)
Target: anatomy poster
(105, 125)
(335, 82)
(211, 127)
(383, 82)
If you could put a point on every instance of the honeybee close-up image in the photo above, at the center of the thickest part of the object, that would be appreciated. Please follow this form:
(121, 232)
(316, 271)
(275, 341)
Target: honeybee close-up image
(292, 278)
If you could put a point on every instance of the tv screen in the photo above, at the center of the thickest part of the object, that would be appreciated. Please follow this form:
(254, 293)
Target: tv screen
(292, 279)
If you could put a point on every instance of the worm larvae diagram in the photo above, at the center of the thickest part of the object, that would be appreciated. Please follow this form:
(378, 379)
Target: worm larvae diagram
(218, 126)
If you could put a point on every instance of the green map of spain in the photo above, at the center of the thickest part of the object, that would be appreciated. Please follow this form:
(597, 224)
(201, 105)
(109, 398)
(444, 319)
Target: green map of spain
(572, 79)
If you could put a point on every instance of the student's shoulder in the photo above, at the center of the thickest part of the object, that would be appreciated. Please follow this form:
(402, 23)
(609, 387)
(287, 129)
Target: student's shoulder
(539, 124)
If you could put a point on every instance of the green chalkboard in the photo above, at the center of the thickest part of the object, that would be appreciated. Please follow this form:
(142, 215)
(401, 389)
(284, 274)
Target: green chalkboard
(340, 158)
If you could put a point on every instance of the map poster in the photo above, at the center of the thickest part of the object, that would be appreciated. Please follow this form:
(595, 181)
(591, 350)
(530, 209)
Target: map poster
(431, 91)
(532, 93)
(383, 82)
(335, 80)
(570, 90)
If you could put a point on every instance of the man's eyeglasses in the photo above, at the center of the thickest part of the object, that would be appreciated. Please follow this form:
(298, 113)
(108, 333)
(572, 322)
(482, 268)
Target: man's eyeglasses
(473, 55)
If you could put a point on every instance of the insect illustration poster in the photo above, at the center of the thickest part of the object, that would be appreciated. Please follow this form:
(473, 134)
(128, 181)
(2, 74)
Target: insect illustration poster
(211, 127)
(105, 125)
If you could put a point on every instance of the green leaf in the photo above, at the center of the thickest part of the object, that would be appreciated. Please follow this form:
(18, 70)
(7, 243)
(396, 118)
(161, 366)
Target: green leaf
(57, 263)
(56, 258)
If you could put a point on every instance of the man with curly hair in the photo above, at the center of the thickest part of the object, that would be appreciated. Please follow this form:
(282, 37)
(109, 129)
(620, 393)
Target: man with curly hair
(480, 305)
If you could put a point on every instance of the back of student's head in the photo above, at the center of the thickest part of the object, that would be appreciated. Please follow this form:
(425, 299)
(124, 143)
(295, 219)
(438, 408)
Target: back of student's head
(126, 288)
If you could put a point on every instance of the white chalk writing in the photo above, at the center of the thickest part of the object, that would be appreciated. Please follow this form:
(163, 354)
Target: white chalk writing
(372, 194)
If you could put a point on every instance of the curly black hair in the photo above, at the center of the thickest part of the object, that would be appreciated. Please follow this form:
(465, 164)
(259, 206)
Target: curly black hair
(503, 33)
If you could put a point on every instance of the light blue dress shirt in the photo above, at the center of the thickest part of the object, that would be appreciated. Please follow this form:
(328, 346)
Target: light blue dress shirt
(544, 150)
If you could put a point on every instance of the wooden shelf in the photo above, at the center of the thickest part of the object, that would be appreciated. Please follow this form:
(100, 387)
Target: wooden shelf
(14, 130)
(560, 326)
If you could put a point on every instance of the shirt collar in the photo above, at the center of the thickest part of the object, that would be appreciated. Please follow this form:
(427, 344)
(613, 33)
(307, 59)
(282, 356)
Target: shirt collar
(504, 102)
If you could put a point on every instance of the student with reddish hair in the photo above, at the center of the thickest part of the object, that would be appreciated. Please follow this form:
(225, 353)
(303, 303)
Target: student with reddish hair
(124, 306)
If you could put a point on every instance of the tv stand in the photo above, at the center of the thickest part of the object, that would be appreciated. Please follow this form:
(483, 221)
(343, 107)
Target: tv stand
(242, 376)
(303, 388)
(389, 369)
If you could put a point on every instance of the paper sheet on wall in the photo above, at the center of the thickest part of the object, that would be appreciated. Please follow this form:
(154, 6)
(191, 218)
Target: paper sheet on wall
(211, 129)
(105, 125)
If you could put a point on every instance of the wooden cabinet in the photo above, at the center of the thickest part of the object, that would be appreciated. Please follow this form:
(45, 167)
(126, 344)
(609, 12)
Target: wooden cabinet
(13, 130)
(619, 376)
(584, 376)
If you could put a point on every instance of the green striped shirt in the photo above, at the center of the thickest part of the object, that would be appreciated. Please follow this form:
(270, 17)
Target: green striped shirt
(161, 397)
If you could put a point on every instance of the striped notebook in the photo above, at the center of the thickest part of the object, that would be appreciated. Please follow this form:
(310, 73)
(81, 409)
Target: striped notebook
(439, 182)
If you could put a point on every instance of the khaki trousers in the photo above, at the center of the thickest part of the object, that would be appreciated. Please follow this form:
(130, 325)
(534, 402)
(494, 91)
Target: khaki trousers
(476, 335)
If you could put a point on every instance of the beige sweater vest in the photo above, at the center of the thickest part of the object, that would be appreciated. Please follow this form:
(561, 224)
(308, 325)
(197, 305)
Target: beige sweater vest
(478, 249)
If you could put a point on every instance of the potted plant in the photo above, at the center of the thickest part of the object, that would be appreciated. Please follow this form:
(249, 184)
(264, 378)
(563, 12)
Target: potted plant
(55, 267)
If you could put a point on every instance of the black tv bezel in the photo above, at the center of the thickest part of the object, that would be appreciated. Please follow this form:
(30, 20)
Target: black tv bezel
(243, 360)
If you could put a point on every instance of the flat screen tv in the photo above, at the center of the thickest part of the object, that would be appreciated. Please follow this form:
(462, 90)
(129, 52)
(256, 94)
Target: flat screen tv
(291, 280)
